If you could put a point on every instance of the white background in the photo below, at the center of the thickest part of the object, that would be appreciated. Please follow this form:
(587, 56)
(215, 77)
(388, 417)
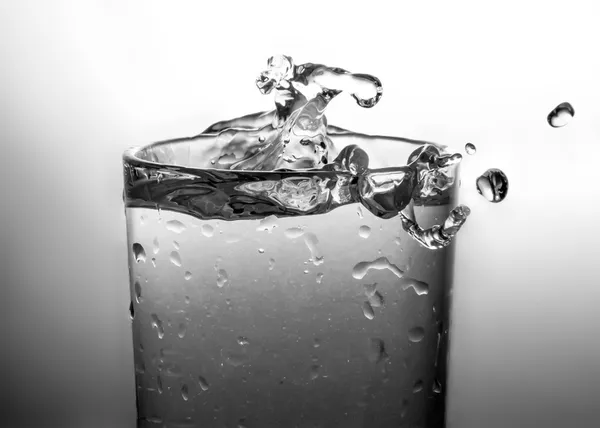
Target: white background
(81, 81)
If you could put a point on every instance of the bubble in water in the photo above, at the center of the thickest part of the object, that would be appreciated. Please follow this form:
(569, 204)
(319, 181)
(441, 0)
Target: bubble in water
(185, 392)
(293, 232)
(187, 275)
(368, 311)
(243, 341)
(267, 224)
(416, 334)
(360, 269)
(376, 299)
(158, 325)
(470, 148)
(175, 226)
(271, 264)
(493, 185)
(131, 311)
(176, 245)
(364, 231)
(155, 246)
(561, 115)
(376, 350)
(159, 384)
(437, 386)
(314, 372)
(203, 383)
(319, 277)
(138, 253)
(261, 250)
(137, 287)
(175, 258)
(181, 331)
(207, 230)
(222, 278)
(420, 287)
(417, 386)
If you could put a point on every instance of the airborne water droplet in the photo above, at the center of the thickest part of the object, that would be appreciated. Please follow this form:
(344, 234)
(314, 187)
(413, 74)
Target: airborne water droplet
(493, 185)
(184, 392)
(207, 230)
(139, 253)
(175, 258)
(175, 226)
(416, 334)
(368, 311)
(138, 291)
(470, 148)
(187, 275)
(222, 278)
(203, 383)
(364, 231)
(561, 115)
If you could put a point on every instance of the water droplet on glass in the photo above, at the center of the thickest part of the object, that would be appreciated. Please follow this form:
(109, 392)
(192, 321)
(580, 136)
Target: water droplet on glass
(175, 258)
(364, 231)
(370, 289)
(359, 212)
(361, 269)
(153, 262)
(417, 386)
(176, 245)
(470, 148)
(187, 300)
(416, 334)
(157, 323)
(140, 368)
(181, 331)
(222, 278)
(142, 217)
(131, 311)
(376, 299)
(311, 241)
(316, 343)
(267, 224)
(420, 287)
(368, 311)
(184, 392)
(319, 277)
(314, 372)
(155, 246)
(203, 383)
(437, 386)
(243, 341)
(188, 275)
(138, 253)
(207, 230)
(293, 232)
(493, 185)
(376, 350)
(138, 291)
(261, 250)
(271, 264)
(561, 115)
(306, 272)
(398, 241)
(159, 384)
(175, 226)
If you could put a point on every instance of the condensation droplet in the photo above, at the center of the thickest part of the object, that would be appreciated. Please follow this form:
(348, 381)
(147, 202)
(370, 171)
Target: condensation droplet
(176, 245)
(243, 341)
(376, 299)
(364, 231)
(470, 148)
(271, 264)
(207, 230)
(561, 115)
(222, 278)
(267, 224)
(316, 343)
(203, 383)
(185, 392)
(159, 384)
(139, 253)
(138, 291)
(368, 311)
(359, 212)
(293, 232)
(314, 372)
(155, 246)
(181, 331)
(306, 272)
(420, 287)
(157, 323)
(416, 334)
(319, 277)
(376, 350)
(131, 311)
(153, 262)
(261, 250)
(361, 269)
(493, 185)
(187, 300)
(175, 258)
(437, 386)
(188, 275)
(175, 226)
(417, 386)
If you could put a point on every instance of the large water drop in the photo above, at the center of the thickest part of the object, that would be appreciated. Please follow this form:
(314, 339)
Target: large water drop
(175, 226)
(139, 253)
(185, 392)
(207, 230)
(175, 258)
(368, 311)
(561, 115)
(293, 232)
(203, 383)
(416, 334)
(364, 231)
(360, 269)
(493, 185)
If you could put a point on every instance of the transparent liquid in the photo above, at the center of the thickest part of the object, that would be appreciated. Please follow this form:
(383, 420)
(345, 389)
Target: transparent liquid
(261, 322)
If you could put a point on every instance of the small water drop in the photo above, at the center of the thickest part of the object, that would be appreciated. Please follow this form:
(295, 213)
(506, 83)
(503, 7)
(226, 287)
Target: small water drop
(437, 386)
(316, 343)
(493, 185)
(175, 226)
(364, 231)
(175, 258)
(261, 250)
(157, 323)
(561, 115)
(207, 230)
(155, 246)
(243, 341)
(159, 384)
(398, 241)
(314, 372)
(176, 245)
(416, 334)
(368, 311)
(222, 278)
(138, 291)
(359, 212)
(271, 264)
(306, 272)
(417, 386)
(139, 254)
(203, 383)
(319, 277)
(181, 331)
(153, 262)
(188, 275)
(470, 148)
(131, 311)
(187, 300)
(293, 232)
(185, 392)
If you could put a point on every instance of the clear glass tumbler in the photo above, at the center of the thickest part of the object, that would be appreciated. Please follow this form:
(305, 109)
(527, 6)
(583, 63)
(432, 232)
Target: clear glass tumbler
(278, 299)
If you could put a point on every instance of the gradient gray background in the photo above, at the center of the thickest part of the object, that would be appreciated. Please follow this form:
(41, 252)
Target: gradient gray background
(81, 81)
